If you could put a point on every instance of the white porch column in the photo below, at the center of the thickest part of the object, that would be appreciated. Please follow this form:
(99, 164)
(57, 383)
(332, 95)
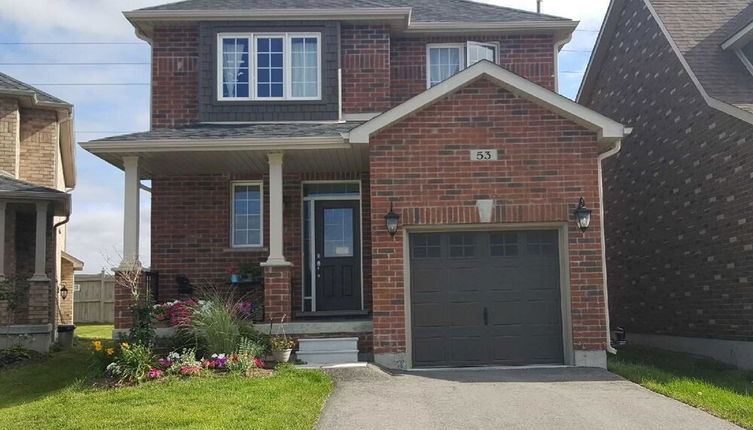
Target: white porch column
(40, 249)
(131, 213)
(275, 211)
(3, 205)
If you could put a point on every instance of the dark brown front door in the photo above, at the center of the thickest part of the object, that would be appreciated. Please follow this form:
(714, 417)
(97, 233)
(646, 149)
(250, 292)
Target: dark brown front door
(337, 255)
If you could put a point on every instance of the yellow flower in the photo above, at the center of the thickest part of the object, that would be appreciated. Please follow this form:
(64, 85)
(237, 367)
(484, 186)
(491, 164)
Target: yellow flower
(124, 345)
(97, 345)
(110, 351)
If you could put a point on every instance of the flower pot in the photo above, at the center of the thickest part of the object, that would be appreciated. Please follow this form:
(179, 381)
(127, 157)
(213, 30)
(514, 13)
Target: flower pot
(234, 278)
(282, 355)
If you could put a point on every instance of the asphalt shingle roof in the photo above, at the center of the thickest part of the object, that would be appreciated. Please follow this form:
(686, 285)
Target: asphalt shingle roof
(423, 10)
(8, 184)
(8, 83)
(699, 27)
(240, 131)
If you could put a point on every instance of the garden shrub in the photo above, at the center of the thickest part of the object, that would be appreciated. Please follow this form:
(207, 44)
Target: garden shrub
(16, 354)
(132, 363)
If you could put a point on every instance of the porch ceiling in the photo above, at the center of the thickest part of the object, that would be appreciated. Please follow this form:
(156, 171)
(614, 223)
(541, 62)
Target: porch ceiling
(341, 157)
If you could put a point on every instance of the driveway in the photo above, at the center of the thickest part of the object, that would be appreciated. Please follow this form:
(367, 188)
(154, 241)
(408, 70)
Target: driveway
(561, 398)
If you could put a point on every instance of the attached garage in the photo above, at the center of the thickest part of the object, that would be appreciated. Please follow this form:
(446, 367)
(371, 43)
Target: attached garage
(485, 298)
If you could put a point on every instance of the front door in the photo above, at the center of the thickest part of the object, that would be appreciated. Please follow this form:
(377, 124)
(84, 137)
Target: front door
(337, 255)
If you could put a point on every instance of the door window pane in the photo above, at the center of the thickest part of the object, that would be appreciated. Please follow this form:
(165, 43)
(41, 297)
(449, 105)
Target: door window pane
(338, 232)
(504, 244)
(462, 245)
(269, 67)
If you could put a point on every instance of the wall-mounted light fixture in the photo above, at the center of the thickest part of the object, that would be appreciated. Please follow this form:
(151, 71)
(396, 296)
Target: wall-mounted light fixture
(392, 220)
(63, 292)
(582, 215)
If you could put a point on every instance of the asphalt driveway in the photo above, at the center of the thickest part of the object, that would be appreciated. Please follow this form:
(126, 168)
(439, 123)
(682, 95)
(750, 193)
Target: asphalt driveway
(562, 399)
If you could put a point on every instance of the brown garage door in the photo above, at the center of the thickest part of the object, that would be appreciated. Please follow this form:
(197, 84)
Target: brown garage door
(485, 298)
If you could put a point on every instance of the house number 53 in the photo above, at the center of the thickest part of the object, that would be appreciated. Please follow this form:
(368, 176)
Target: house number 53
(483, 154)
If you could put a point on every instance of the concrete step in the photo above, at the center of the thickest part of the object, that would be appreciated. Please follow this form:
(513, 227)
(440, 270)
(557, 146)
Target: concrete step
(328, 351)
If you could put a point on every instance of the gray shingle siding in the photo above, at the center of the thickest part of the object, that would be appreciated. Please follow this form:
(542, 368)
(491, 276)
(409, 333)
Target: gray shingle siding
(679, 230)
(212, 110)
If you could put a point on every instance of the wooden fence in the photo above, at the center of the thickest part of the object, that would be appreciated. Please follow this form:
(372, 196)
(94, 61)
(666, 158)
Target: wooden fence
(93, 299)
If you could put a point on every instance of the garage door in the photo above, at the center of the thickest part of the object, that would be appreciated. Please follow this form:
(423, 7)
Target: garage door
(485, 298)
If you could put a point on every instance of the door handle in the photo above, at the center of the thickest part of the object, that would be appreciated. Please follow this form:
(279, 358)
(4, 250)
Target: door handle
(486, 316)
(318, 265)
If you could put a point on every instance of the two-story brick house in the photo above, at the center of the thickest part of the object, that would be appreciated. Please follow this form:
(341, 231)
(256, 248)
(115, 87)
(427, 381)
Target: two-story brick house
(285, 132)
(678, 196)
(37, 168)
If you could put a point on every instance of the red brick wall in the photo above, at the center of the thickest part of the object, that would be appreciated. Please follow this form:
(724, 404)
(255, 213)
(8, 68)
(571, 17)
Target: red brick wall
(38, 149)
(365, 51)
(175, 76)
(546, 164)
(531, 56)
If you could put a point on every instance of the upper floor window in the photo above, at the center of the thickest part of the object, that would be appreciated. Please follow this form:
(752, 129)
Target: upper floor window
(445, 59)
(274, 66)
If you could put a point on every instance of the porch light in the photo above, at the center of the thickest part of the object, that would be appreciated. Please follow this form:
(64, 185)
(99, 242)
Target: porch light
(63, 292)
(582, 215)
(391, 218)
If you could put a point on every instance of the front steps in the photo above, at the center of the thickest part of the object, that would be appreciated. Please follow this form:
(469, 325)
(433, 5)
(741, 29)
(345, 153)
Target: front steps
(328, 351)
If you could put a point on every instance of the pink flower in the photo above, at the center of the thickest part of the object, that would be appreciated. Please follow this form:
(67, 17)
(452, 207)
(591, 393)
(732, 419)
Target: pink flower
(258, 362)
(190, 370)
(156, 373)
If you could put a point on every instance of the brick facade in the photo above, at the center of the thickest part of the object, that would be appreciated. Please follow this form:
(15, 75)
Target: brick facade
(9, 136)
(530, 56)
(365, 52)
(677, 197)
(546, 164)
(65, 314)
(175, 76)
(38, 149)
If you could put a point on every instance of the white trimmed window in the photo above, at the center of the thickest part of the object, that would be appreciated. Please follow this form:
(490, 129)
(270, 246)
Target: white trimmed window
(445, 59)
(248, 216)
(269, 66)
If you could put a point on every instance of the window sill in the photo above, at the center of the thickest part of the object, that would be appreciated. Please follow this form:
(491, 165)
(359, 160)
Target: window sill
(246, 249)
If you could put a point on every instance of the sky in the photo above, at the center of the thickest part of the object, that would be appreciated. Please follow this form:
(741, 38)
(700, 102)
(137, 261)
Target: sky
(39, 39)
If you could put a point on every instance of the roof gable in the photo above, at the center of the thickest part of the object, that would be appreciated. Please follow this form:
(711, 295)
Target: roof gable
(606, 129)
(695, 29)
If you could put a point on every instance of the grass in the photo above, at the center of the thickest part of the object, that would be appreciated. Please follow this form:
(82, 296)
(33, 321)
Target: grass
(706, 384)
(94, 331)
(58, 394)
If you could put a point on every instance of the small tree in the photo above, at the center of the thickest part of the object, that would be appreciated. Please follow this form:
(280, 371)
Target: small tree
(13, 291)
(130, 274)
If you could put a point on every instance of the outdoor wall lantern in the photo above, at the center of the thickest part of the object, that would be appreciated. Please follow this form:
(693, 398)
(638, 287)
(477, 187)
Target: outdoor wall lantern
(582, 215)
(391, 219)
(63, 292)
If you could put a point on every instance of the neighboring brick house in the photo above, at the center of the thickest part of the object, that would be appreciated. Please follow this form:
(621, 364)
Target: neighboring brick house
(678, 195)
(283, 133)
(37, 169)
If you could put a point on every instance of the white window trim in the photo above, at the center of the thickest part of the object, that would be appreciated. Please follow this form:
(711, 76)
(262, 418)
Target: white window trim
(429, 46)
(286, 61)
(260, 184)
(744, 58)
(463, 54)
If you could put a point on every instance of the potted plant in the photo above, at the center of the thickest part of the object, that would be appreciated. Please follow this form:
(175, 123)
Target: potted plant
(235, 276)
(250, 272)
(281, 344)
(282, 347)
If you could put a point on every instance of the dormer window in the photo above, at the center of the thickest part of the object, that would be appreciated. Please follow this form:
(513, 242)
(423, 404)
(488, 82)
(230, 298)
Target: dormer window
(269, 66)
(445, 59)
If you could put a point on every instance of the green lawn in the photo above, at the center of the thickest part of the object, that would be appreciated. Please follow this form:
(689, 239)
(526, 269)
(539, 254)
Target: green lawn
(94, 331)
(705, 384)
(56, 394)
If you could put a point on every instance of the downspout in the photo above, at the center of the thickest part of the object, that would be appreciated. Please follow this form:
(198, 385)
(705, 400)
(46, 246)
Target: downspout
(603, 156)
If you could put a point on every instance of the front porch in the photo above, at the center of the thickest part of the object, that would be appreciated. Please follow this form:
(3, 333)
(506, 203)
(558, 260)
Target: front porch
(298, 212)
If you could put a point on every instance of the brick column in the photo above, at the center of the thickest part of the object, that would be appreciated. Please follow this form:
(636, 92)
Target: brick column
(277, 293)
(38, 311)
